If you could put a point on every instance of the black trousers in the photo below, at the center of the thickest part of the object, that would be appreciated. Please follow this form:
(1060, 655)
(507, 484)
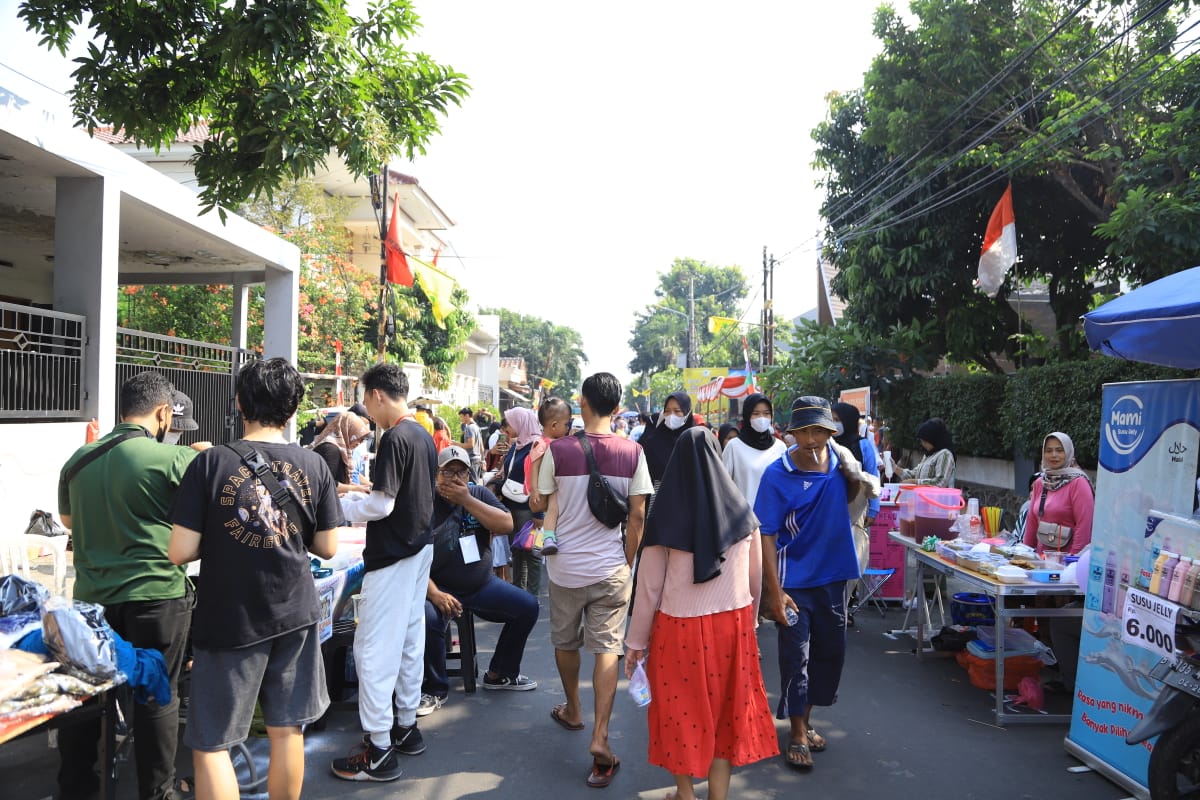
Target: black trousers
(162, 625)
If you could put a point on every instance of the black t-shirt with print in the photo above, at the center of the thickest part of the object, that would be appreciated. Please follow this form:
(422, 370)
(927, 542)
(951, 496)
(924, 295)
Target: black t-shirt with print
(450, 523)
(406, 469)
(254, 561)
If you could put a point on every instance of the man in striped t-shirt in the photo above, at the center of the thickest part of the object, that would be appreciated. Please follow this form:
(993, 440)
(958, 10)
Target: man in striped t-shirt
(590, 573)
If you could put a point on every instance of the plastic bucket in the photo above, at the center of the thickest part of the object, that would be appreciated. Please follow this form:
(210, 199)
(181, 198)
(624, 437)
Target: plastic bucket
(971, 608)
(906, 502)
(936, 508)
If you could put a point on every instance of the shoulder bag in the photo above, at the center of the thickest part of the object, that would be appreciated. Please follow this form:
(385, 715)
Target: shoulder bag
(606, 505)
(1052, 536)
(300, 514)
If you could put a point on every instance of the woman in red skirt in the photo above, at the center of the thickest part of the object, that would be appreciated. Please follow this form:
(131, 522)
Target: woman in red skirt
(694, 613)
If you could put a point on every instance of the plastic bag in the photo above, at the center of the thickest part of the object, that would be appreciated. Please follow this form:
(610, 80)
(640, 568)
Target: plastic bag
(18, 594)
(639, 684)
(77, 635)
(42, 523)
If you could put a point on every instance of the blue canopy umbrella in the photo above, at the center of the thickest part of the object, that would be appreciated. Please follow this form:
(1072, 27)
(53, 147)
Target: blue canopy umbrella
(1158, 323)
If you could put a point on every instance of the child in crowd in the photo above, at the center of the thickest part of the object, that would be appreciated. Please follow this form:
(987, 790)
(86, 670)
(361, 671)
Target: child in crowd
(555, 416)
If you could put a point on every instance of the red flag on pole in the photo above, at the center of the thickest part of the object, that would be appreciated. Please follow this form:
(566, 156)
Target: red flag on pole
(999, 246)
(398, 270)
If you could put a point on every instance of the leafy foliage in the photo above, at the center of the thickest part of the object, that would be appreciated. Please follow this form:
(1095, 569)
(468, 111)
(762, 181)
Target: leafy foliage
(281, 84)
(1099, 142)
(660, 331)
(554, 352)
(997, 416)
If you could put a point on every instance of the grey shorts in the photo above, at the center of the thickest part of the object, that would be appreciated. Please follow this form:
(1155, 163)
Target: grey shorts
(591, 617)
(501, 551)
(286, 674)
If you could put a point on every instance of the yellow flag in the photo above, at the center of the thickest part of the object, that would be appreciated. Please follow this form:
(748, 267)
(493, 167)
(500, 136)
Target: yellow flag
(718, 324)
(548, 384)
(438, 287)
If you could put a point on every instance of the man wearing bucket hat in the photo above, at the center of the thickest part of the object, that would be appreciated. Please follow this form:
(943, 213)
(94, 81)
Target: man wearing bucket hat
(808, 558)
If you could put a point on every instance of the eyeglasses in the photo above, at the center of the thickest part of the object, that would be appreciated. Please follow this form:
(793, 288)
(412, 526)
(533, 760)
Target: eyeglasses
(454, 473)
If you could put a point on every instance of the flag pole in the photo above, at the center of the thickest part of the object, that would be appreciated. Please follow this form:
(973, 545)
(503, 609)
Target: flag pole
(381, 335)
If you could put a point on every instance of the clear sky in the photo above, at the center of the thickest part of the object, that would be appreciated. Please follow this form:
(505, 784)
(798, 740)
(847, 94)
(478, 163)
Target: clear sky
(601, 141)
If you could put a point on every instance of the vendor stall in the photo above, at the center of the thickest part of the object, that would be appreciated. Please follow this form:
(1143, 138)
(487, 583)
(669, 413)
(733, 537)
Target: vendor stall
(997, 591)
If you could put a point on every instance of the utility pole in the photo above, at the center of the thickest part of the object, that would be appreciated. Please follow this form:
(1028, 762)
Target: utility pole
(379, 200)
(762, 339)
(769, 332)
(692, 358)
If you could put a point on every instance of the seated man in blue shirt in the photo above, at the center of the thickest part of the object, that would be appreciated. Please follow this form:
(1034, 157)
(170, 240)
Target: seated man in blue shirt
(464, 518)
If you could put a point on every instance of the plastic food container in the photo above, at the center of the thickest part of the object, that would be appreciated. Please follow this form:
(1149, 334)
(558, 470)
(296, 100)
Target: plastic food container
(934, 510)
(1011, 574)
(1046, 575)
(907, 503)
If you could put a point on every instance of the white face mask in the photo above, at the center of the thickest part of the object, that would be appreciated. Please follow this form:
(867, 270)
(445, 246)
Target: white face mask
(839, 428)
(673, 422)
(761, 424)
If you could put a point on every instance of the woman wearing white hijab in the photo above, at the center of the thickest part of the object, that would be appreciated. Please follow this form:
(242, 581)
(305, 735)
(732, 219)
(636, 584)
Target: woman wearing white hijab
(1061, 503)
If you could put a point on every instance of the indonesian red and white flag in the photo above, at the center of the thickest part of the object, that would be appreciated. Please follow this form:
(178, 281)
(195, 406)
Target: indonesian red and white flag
(999, 246)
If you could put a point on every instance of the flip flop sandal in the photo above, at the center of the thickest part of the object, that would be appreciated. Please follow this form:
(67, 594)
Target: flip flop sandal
(816, 742)
(602, 774)
(556, 713)
(800, 750)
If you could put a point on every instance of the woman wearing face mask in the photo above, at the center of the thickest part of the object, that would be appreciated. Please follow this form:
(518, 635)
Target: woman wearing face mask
(659, 441)
(755, 447)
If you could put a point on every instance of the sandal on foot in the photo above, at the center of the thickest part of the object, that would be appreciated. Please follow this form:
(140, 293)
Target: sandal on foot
(557, 714)
(804, 754)
(816, 742)
(602, 774)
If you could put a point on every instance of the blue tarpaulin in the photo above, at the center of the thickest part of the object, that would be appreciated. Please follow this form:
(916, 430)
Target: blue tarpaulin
(1158, 323)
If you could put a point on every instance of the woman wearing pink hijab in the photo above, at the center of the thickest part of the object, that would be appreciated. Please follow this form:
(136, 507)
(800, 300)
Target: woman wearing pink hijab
(526, 566)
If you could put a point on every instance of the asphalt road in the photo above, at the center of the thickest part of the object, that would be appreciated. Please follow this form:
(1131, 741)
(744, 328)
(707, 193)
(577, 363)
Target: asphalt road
(902, 728)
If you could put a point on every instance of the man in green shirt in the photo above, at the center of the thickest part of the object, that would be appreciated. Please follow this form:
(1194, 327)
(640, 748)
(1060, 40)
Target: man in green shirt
(118, 505)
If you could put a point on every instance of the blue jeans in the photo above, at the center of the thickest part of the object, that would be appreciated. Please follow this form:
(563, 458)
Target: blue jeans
(497, 601)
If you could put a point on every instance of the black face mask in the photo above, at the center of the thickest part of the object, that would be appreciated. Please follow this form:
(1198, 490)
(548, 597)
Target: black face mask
(162, 434)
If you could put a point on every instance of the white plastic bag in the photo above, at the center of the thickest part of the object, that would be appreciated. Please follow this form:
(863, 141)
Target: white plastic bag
(639, 685)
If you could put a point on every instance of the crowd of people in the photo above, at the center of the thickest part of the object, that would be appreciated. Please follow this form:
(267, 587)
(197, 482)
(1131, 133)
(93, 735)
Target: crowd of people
(665, 543)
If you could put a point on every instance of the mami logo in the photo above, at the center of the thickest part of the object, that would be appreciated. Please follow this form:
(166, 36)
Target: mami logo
(1123, 428)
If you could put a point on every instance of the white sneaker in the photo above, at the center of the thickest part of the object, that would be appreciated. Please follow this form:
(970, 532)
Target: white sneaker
(429, 704)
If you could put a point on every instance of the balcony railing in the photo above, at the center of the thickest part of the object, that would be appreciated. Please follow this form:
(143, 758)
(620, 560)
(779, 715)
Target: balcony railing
(41, 363)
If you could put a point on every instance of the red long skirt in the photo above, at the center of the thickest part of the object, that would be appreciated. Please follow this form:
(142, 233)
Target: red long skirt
(707, 695)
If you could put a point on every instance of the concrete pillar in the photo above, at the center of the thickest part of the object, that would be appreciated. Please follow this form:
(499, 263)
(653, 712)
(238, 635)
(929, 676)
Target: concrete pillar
(280, 318)
(241, 304)
(86, 251)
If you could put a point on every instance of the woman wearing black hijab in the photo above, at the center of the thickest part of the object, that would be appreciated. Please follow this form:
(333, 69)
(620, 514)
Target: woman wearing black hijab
(698, 582)
(937, 467)
(659, 441)
(863, 509)
(756, 446)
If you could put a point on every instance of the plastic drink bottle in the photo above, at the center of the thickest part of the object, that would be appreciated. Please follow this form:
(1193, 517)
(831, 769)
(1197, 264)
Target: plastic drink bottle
(1123, 583)
(1189, 583)
(1157, 574)
(1194, 600)
(1149, 559)
(1168, 573)
(1177, 578)
(1108, 596)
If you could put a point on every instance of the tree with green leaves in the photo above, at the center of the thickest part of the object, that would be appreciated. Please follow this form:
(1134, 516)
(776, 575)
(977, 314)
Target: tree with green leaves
(660, 331)
(1086, 110)
(553, 352)
(281, 84)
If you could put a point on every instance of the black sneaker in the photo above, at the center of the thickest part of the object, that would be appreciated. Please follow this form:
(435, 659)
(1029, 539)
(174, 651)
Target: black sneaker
(368, 763)
(429, 704)
(517, 684)
(407, 740)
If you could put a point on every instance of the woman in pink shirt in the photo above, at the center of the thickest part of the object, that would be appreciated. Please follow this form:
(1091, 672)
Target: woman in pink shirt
(694, 613)
(1061, 503)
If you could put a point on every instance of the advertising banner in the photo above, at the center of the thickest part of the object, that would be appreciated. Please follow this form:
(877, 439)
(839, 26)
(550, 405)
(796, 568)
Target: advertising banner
(1145, 495)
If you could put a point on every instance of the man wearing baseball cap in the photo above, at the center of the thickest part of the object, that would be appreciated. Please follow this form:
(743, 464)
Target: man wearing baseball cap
(808, 558)
(465, 517)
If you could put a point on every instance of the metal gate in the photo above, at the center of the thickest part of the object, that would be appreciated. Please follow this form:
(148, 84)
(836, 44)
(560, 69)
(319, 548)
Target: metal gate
(204, 372)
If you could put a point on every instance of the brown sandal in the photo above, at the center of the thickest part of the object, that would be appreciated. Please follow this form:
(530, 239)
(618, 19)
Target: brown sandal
(557, 714)
(816, 742)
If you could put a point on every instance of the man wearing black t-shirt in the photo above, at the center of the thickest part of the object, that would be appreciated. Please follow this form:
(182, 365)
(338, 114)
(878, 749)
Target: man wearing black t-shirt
(389, 643)
(254, 631)
(465, 517)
